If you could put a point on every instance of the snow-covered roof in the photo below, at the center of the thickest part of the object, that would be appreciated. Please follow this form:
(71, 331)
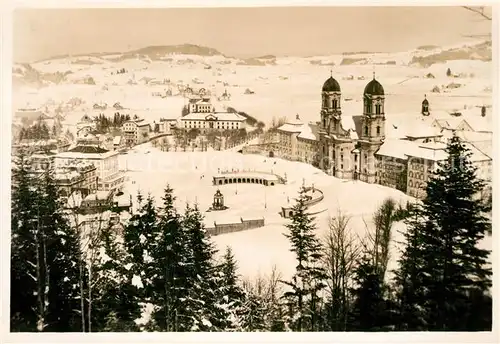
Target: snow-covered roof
(479, 152)
(428, 152)
(291, 128)
(88, 149)
(66, 175)
(309, 132)
(397, 148)
(479, 123)
(422, 129)
(98, 195)
(348, 122)
(251, 218)
(155, 113)
(219, 116)
(86, 153)
(228, 220)
(208, 223)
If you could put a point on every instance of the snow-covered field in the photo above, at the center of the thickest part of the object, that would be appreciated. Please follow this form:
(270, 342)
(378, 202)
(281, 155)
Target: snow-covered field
(259, 249)
(289, 86)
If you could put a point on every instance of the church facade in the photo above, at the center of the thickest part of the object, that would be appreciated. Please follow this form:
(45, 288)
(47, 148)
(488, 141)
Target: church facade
(355, 147)
(349, 153)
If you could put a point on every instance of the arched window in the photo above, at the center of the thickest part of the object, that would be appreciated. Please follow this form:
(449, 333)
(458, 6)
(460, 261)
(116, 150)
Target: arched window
(335, 103)
(378, 130)
(378, 109)
(324, 122)
(366, 130)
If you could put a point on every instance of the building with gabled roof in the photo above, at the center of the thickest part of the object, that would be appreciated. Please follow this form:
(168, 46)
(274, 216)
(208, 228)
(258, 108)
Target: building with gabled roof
(109, 177)
(135, 131)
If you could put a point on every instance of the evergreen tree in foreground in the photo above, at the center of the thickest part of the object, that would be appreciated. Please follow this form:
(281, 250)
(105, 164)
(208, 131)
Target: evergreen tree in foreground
(303, 298)
(141, 236)
(451, 290)
(44, 256)
(232, 296)
(116, 298)
(198, 303)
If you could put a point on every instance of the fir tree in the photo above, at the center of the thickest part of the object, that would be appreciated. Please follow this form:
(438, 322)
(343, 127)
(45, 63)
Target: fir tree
(231, 296)
(371, 311)
(409, 278)
(44, 271)
(171, 265)
(115, 300)
(308, 280)
(204, 279)
(23, 283)
(456, 276)
(62, 254)
(140, 241)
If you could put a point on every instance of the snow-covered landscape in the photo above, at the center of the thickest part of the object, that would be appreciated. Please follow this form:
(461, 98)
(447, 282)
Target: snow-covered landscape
(283, 86)
(252, 159)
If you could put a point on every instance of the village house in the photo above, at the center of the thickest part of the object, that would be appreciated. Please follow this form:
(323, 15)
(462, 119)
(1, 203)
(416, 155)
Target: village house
(135, 131)
(109, 177)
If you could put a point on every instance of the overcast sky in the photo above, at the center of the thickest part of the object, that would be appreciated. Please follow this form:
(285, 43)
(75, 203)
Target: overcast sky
(39, 34)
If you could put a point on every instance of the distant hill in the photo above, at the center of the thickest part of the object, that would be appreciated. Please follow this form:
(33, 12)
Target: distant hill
(153, 52)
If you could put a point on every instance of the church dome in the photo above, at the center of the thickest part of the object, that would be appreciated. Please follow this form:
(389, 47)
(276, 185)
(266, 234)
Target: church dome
(331, 85)
(374, 88)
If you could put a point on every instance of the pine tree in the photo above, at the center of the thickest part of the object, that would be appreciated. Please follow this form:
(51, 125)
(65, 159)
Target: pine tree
(172, 265)
(456, 276)
(23, 282)
(140, 241)
(115, 299)
(254, 313)
(44, 256)
(204, 279)
(409, 277)
(308, 280)
(63, 252)
(231, 296)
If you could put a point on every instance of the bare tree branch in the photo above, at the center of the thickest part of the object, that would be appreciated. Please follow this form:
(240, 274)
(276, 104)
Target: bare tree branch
(478, 10)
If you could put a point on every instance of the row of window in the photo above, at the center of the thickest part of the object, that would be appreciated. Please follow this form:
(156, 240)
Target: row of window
(366, 130)
(417, 166)
(334, 103)
(211, 125)
(416, 175)
(417, 184)
(369, 108)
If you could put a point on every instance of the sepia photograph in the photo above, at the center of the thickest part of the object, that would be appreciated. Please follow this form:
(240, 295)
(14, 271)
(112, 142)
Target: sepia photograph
(251, 169)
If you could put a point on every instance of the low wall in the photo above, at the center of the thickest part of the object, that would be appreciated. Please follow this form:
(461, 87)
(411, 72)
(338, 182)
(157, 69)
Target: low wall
(225, 228)
(288, 211)
(252, 177)
(261, 148)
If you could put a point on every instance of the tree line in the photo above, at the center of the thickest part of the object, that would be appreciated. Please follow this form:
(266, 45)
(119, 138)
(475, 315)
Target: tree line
(164, 261)
(105, 123)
